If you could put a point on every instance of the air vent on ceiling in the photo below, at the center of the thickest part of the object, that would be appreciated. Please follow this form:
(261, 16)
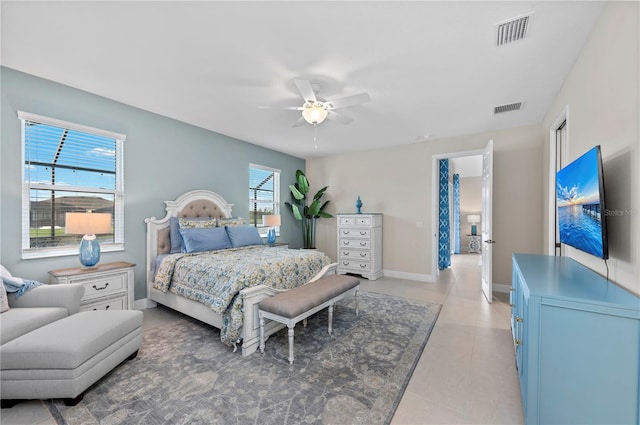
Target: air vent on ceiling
(507, 108)
(513, 30)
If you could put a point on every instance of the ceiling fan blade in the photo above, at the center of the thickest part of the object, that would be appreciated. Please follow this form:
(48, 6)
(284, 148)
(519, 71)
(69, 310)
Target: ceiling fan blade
(342, 119)
(341, 102)
(290, 108)
(299, 123)
(305, 89)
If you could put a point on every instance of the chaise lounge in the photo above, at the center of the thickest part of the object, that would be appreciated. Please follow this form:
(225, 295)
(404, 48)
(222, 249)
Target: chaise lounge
(51, 350)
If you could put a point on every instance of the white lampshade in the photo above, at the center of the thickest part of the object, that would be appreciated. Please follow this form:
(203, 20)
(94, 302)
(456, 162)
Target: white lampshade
(473, 218)
(271, 220)
(314, 113)
(87, 223)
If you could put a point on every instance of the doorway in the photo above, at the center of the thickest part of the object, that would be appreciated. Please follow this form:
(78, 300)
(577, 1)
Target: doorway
(473, 226)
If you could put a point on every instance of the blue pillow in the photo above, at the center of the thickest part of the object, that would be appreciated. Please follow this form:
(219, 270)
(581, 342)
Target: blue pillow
(174, 235)
(198, 239)
(244, 235)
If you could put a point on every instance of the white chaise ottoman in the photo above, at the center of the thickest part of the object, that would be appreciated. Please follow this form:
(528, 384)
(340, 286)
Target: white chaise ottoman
(65, 357)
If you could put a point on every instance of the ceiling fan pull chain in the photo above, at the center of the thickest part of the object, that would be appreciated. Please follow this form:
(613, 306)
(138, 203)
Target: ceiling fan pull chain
(315, 136)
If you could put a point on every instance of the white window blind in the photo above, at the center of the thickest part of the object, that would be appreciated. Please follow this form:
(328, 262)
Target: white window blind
(68, 168)
(264, 194)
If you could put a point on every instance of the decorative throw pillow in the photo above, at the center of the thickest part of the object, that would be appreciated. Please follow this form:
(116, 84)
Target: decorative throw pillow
(4, 301)
(244, 236)
(191, 223)
(231, 221)
(205, 239)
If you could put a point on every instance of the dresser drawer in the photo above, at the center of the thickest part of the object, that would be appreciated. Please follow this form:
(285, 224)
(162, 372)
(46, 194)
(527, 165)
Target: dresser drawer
(97, 288)
(118, 303)
(346, 221)
(355, 243)
(355, 266)
(364, 220)
(355, 254)
(355, 233)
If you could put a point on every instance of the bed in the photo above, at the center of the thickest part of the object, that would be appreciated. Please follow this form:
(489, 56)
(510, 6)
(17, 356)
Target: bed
(221, 287)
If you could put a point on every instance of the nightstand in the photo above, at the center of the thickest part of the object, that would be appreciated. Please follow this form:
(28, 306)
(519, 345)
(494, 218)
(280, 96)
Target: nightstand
(475, 244)
(108, 286)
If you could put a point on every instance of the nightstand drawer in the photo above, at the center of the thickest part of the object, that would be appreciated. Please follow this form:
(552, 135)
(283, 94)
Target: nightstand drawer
(118, 303)
(97, 288)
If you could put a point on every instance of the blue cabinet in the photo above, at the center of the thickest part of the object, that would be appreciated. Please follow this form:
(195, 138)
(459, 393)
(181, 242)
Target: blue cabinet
(577, 343)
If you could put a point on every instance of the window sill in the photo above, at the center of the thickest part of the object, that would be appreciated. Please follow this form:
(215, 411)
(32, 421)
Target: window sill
(29, 254)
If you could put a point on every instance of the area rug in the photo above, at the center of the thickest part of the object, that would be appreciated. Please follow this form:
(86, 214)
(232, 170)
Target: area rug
(184, 375)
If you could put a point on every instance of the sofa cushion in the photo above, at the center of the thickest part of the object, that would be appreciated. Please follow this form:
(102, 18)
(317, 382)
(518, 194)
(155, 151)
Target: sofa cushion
(68, 343)
(19, 321)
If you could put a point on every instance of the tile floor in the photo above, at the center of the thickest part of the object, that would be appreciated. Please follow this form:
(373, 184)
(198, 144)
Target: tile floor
(466, 374)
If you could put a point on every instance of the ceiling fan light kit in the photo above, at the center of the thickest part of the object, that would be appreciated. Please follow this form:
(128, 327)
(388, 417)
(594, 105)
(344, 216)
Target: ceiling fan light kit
(314, 112)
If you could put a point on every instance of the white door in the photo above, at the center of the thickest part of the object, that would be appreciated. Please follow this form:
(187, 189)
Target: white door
(487, 197)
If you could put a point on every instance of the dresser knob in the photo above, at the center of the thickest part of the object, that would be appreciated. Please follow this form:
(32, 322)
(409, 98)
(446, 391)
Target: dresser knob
(363, 233)
(363, 244)
(100, 289)
(345, 252)
(519, 319)
(363, 254)
(345, 232)
(345, 242)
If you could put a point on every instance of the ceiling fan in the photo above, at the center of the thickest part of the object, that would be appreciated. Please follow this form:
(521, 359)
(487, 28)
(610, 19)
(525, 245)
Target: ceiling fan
(316, 109)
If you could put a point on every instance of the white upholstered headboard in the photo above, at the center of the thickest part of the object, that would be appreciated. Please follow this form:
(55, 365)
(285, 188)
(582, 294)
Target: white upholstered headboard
(197, 203)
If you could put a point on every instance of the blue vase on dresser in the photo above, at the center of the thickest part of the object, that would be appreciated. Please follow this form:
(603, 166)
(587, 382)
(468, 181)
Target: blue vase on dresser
(358, 205)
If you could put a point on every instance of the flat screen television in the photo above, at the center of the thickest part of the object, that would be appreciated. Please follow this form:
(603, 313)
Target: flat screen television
(581, 207)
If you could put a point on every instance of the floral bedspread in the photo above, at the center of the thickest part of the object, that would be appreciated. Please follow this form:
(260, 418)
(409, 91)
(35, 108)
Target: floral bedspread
(215, 278)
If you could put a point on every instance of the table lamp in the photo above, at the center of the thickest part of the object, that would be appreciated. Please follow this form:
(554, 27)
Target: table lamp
(88, 224)
(473, 219)
(271, 221)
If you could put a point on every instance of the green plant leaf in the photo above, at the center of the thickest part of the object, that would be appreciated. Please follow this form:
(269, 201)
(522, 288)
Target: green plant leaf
(296, 212)
(295, 192)
(303, 183)
(319, 193)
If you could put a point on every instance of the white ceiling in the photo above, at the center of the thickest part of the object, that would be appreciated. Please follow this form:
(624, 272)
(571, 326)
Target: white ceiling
(432, 69)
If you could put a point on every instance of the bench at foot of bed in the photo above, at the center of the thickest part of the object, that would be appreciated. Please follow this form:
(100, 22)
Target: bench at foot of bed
(299, 303)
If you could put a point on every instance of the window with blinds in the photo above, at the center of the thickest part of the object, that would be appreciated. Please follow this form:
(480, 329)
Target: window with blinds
(68, 168)
(264, 195)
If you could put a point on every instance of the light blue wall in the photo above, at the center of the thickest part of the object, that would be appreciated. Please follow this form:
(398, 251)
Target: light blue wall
(163, 158)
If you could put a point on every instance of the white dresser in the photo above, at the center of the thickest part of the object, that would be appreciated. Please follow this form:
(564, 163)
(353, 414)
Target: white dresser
(108, 286)
(360, 244)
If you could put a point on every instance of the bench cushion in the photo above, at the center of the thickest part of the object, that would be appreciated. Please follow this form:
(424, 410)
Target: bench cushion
(68, 343)
(298, 300)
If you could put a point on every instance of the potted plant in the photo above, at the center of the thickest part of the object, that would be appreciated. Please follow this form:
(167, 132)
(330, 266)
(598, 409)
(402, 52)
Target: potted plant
(307, 214)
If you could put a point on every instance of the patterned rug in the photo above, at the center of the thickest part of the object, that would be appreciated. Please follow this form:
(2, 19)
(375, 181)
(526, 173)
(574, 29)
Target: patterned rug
(184, 375)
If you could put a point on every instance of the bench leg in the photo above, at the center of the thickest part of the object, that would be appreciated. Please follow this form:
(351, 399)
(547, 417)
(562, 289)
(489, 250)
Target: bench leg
(261, 334)
(290, 344)
(330, 319)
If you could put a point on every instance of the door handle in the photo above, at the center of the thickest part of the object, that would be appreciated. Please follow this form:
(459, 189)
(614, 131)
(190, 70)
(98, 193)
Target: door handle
(489, 241)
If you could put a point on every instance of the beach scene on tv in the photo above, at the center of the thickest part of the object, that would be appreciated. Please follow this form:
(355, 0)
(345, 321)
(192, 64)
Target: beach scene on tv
(579, 210)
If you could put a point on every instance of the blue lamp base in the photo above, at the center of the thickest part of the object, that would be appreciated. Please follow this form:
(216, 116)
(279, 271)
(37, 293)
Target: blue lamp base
(271, 236)
(474, 229)
(89, 251)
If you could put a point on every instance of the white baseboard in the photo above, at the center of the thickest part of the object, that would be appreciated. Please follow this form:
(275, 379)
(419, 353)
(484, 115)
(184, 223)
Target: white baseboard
(409, 276)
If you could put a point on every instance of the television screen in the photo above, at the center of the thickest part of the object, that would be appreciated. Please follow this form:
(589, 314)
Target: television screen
(580, 201)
